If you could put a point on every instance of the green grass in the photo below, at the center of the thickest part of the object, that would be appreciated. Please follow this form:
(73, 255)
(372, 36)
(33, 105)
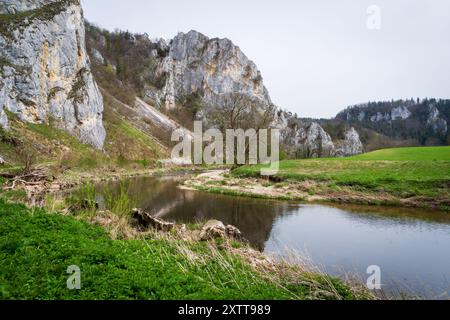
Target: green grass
(404, 172)
(37, 247)
(125, 146)
(122, 202)
(408, 154)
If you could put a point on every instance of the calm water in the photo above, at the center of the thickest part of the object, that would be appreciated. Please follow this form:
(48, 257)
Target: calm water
(412, 247)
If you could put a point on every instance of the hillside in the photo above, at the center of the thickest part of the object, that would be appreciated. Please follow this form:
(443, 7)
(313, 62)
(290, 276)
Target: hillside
(52, 110)
(418, 122)
(158, 86)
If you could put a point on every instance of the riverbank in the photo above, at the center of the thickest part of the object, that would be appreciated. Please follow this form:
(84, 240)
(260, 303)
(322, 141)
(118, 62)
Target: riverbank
(51, 182)
(119, 261)
(37, 247)
(410, 177)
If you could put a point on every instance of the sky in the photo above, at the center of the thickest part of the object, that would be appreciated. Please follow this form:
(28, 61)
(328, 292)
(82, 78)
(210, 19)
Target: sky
(317, 56)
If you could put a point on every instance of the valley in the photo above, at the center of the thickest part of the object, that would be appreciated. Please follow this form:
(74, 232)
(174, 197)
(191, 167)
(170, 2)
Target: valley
(87, 177)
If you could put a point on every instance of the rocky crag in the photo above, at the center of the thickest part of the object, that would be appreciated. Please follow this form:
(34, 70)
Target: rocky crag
(308, 139)
(211, 68)
(45, 70)
(211, 73)
(424, 121)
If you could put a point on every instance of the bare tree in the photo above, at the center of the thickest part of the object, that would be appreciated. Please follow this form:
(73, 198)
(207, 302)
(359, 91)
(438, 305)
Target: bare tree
(26, 157)
(239, 111)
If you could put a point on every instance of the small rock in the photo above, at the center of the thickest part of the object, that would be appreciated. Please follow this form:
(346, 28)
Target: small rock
(233, 232)
(213, 229)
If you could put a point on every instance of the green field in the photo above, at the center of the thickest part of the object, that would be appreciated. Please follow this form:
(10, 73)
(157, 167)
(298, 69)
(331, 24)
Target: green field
(403, 172)
(408, 154)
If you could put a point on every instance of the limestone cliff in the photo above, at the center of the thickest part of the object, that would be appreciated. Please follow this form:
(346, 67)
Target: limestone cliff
(351, 145)
(45, 70)
(306, 138)
(435, 122)
(210, 68)
(417, 122)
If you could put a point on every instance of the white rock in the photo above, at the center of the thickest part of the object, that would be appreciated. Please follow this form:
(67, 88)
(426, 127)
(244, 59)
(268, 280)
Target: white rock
(435, 122)
(212, 67)
(50, 73)
(97, 56)
(351, 145)
(213, 229)
(400, 113)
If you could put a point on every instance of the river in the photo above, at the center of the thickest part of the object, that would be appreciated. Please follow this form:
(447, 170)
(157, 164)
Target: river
(411, 247)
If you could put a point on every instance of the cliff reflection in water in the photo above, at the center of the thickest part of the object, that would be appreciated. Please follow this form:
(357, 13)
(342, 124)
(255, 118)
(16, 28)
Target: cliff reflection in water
(161, 197)
(409, 245)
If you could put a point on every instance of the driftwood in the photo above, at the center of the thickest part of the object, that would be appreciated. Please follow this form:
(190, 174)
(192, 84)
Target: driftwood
(7, 175)
(36, 177)
(146, 220)
(34, 182)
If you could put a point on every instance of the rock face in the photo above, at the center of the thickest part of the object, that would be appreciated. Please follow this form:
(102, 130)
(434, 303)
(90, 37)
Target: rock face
(351, 145)
(400, 113)
(435, 122)
(45, 70)
(14, 6)
(210, 68)
(306, 139)
(316, 141)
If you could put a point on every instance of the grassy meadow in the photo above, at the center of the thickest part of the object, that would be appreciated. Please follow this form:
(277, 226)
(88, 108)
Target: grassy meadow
(402, 172)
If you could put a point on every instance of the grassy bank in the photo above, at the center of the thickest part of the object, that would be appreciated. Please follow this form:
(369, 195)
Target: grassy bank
(418, 177)
(126, 147)
(37, 247)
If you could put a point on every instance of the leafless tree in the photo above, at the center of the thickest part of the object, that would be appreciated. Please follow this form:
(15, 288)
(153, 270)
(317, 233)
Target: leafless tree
(239, 111)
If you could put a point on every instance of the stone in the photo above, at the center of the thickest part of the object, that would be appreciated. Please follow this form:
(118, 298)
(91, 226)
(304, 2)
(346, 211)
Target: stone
(312, 141)
(212, 68)
(14, 6)
(98, 56)
(435, 122)
(379, 117)
(213, 229)
(233, 233)
(400, 113)
(351, 145)
(46, 70)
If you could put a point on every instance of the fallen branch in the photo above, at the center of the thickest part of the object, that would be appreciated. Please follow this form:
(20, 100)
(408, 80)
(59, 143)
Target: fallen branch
(146, 220)
(33, 178)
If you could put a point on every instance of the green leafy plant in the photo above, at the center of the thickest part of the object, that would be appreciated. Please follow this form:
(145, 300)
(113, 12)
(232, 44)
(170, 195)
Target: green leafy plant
(120, 203)
(83, 200)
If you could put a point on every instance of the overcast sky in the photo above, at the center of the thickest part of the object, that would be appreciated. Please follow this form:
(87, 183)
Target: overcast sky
(316, 56)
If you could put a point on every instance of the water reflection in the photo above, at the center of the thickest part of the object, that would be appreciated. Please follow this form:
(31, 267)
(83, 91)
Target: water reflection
(254, 218)
(412, 247)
